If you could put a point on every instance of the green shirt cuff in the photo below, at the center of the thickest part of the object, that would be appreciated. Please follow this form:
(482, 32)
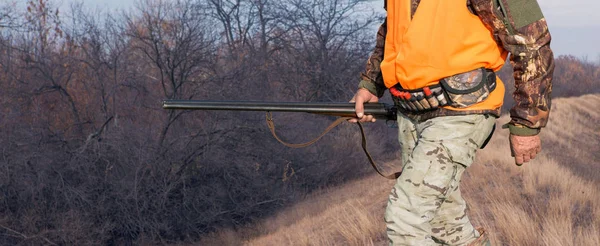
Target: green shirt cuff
(371, 87)
(521, 130)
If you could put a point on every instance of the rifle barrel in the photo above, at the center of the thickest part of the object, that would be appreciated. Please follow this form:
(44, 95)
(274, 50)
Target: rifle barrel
(379, 110)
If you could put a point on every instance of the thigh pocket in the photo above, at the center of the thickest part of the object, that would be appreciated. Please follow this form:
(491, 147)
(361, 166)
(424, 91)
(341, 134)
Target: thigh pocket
(440, 175)
(463, 154)
(469, 134)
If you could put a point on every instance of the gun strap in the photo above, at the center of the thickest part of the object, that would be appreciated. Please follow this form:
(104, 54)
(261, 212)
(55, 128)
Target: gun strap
(271, 125)
(364, 147)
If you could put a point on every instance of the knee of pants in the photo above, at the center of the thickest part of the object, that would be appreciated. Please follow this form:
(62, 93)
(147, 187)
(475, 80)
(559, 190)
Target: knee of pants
(426, 180)
(416, 198)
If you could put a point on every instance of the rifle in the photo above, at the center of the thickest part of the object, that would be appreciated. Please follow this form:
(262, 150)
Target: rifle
(342, 110)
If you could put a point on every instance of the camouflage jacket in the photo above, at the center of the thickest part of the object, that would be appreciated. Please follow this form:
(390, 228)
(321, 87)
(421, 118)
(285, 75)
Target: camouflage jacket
(519, 27)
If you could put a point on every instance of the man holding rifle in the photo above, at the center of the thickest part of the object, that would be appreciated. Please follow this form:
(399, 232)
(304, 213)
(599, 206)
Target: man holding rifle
(438, 60)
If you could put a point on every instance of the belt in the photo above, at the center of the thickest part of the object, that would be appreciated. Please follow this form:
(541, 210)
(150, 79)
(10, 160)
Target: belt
(459, 91)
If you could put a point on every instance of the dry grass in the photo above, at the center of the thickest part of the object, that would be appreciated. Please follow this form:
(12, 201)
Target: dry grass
(552, 201)
(541, 204)
(349, 214)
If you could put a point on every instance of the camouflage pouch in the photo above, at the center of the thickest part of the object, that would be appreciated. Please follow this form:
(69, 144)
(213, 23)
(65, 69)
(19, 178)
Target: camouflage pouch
(466, 89)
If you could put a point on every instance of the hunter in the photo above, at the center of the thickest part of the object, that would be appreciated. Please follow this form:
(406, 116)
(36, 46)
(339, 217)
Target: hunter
(438, 59)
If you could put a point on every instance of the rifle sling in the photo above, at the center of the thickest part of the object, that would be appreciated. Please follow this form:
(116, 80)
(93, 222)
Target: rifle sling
(271, 125)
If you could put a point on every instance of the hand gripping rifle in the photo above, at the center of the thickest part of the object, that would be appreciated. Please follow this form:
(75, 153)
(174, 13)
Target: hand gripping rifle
(342, 110)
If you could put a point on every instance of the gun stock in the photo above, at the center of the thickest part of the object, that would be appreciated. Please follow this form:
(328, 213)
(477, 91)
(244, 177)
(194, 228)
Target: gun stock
(378, 110)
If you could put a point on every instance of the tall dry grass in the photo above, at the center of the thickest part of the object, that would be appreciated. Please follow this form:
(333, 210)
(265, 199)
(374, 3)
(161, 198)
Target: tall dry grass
(553, 200)
(350, 213)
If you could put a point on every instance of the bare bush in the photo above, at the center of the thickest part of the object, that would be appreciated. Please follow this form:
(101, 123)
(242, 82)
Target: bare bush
(89, 157)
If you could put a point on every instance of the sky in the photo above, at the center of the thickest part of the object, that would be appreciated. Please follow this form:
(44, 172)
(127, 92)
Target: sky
(574, 24)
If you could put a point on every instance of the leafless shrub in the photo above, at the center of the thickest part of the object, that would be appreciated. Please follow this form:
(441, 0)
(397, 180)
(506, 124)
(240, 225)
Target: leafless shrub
(88, 156)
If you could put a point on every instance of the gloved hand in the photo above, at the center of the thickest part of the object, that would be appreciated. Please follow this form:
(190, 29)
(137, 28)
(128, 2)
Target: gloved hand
(363, 96)
(524, 148)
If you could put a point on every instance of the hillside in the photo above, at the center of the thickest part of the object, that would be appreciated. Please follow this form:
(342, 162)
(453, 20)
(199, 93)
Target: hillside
(89, 156)
(552, 201)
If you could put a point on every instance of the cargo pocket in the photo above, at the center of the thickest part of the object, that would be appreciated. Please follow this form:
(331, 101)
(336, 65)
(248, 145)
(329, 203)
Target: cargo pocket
(463, 155)
(438, 179)
(472, 132)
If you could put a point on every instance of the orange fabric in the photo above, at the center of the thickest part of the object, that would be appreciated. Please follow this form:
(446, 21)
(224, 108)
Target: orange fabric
(442, 39)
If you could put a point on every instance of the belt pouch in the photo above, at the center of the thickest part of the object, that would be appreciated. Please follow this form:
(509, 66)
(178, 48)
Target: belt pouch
(466, 89)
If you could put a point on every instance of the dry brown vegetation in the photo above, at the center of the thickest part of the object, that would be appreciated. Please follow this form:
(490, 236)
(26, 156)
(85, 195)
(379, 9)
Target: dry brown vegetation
(552, 201)
(88, 156)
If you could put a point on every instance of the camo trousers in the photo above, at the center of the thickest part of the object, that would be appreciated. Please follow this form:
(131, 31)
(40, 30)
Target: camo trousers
(425, 206)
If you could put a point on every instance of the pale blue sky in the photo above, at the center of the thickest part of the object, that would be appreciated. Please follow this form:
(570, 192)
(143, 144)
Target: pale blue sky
(574, 24)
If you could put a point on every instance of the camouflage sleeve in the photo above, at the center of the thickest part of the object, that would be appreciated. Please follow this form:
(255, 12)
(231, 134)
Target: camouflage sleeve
(522, 30)
(371, 78)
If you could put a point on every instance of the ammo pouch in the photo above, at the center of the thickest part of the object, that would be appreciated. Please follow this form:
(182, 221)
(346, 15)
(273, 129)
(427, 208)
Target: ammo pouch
(459, 91)
(466, 89)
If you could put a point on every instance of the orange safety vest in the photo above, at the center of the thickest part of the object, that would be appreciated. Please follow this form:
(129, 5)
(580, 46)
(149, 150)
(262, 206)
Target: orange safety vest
(442, 39)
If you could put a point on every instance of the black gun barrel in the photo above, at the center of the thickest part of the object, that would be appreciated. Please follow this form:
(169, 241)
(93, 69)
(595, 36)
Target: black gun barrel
(378, 110)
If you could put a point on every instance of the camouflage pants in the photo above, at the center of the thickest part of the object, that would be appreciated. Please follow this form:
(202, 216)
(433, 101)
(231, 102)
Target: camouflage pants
(425, 206)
